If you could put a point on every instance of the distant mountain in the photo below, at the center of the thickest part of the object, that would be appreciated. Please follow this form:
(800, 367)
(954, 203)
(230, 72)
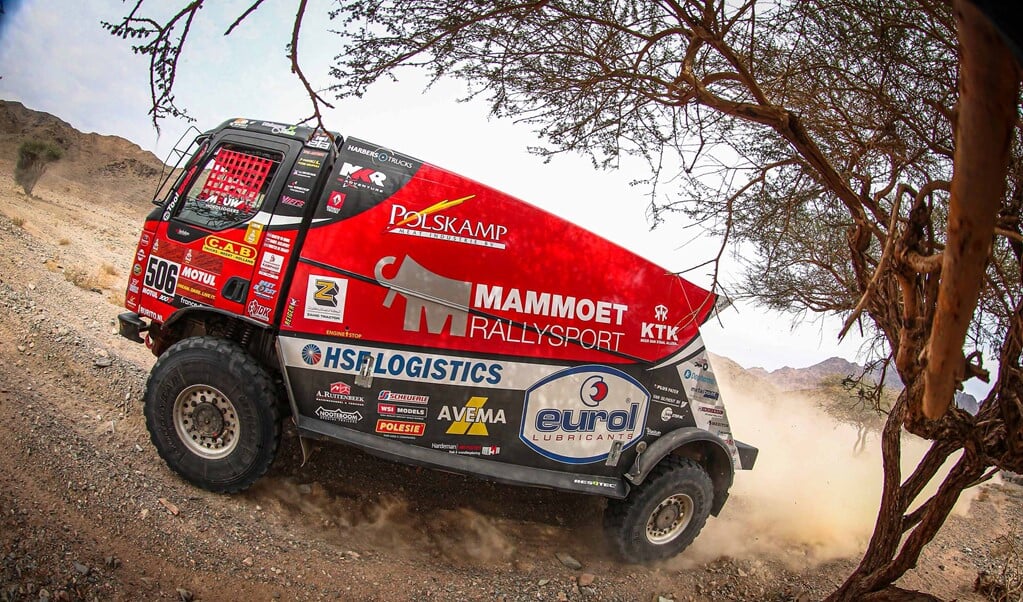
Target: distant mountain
(811, 377)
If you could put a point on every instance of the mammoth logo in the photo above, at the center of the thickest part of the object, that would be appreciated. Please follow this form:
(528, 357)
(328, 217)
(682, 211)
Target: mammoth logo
(439, 297)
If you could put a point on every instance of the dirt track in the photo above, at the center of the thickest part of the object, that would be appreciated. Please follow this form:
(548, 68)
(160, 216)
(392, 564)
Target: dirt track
(90, 512)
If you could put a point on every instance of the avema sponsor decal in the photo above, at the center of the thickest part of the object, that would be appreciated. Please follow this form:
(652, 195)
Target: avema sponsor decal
(472, 418)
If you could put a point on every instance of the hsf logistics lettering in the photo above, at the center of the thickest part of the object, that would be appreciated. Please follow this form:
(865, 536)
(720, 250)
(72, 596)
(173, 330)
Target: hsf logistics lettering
(437, 369)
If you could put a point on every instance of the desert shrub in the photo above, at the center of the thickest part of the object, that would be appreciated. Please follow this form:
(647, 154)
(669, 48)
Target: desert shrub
(34, 156)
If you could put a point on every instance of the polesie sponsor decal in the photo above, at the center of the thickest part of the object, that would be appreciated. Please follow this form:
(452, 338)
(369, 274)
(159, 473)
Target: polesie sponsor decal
(325, 298)
(561, 422)
(399, 427)
(472, 418)
(229, 249)
(431, 223)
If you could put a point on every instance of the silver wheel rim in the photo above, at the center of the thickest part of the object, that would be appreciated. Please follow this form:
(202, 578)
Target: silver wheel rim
(206, 421)
(669, 519)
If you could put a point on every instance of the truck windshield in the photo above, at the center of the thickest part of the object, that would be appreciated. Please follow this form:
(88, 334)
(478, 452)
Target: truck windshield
(231, 186)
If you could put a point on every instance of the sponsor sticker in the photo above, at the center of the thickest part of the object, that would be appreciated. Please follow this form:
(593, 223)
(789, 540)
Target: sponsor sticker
(339, 392)
(472, 418)
(230, 249)
(265, 289)
(325, 298)
(430, 222)
(411, 412)
(403, 397)
(258, 311)
(336, 201)
(401, 428)
(271, 265)
(575, 415)
(338, 415)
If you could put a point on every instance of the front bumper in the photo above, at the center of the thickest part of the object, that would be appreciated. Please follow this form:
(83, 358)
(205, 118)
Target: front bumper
(129, 325)
(747, 455)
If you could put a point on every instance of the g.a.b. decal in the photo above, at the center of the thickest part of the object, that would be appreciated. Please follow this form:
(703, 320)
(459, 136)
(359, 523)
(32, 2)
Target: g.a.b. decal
(575, 415)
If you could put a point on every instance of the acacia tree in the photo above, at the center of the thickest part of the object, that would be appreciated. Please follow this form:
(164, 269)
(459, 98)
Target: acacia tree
(872, 167)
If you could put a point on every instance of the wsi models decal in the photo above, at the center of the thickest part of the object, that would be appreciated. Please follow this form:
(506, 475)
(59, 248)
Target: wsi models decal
(472, 418)
(575, 415)
(325, 298)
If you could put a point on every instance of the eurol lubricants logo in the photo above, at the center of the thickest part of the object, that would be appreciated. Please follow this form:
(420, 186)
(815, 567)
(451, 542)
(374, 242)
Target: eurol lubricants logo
(574, 416)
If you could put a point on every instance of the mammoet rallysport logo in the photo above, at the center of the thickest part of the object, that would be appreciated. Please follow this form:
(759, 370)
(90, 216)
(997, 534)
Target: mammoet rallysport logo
(575, 415)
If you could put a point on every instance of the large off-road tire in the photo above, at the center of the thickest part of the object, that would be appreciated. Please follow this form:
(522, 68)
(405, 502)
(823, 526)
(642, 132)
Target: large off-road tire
(212, 414)
(664, 514)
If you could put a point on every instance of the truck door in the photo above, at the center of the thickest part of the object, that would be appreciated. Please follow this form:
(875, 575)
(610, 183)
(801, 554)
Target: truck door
(208, 244)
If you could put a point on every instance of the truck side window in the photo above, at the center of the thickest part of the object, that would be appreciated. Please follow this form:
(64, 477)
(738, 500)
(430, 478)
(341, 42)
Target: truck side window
(231, 186)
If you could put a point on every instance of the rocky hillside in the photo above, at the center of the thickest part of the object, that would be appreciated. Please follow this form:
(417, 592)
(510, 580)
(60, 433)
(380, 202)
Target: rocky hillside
(96, 164)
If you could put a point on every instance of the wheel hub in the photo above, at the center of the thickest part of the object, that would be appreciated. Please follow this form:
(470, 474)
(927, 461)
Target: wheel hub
(206, 421)
(669, 519)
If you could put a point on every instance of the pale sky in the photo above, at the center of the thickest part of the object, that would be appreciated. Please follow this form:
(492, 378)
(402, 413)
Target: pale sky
(55, 57)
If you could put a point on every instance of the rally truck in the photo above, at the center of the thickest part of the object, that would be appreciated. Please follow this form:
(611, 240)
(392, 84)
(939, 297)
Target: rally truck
(388, 304)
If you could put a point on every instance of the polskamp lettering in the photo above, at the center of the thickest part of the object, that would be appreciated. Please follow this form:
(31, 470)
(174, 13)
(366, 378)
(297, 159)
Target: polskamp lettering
(447, 227)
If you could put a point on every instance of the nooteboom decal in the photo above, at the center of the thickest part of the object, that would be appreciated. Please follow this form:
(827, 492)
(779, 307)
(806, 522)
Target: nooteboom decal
(412, 366)
(574, 416)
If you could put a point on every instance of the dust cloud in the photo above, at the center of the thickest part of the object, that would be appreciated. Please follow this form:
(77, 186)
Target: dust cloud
(812, 496)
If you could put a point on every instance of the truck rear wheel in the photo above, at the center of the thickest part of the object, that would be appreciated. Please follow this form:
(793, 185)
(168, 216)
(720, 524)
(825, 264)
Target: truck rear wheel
(664, 514)
(212, 414)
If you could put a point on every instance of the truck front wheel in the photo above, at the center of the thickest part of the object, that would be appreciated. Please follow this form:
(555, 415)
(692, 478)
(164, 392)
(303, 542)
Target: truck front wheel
(212, 414)
(664, 514)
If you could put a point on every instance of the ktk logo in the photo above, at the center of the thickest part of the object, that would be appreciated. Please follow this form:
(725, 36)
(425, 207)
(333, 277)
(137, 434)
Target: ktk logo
(659, 332)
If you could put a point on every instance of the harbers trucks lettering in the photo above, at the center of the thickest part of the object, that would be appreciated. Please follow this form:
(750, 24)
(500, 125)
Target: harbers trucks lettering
(294, 273)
